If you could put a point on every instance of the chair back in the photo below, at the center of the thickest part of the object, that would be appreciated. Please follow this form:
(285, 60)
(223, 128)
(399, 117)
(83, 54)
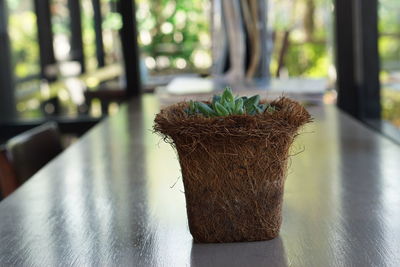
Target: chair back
(8, 179)
(30, 151)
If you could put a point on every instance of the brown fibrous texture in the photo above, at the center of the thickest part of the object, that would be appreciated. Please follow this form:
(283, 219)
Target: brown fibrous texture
(233, 168)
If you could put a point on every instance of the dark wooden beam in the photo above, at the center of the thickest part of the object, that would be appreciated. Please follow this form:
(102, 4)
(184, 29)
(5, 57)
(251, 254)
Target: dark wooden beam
(45, 39)
(98, 20)
(7, 94)
(77, 52)
(130, 47)
(357, 58)
(366, 61)
(344, 56)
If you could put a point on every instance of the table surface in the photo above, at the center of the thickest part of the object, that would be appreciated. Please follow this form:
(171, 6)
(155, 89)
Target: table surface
(116, 198)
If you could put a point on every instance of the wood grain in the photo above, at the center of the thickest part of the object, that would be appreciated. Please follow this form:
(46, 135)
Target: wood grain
(111, 200)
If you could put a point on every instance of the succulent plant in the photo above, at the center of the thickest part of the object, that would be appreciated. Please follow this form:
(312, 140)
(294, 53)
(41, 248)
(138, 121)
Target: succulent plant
(227, 104)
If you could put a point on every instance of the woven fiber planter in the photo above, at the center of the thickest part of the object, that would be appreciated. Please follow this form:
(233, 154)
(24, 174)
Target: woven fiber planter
(233, 168)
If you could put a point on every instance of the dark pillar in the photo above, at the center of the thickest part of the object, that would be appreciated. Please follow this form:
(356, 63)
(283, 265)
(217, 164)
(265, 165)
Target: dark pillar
(367, 57)
(7, 98)
(45, 38)
(98, 20)
(130, 47)
(347, 92)
(77, 53)
(357, 57)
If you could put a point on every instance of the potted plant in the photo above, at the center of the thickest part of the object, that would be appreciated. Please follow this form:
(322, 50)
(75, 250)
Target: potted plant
(233, 153)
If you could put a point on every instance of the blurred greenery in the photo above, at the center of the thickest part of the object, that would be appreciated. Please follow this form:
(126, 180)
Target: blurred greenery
(389, 51)
(391, 106)
(174, 34)
(175, 37)
(88, 37)
(308, 23)
(23, 35)
(389, 30)
(311, 60)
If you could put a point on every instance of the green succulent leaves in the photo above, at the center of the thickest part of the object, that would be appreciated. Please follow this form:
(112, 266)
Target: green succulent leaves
(221, 110)
(227, 104)
(205, 109)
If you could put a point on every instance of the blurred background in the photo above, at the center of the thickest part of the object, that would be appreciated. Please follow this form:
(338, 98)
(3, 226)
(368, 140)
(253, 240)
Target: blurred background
(66, 58)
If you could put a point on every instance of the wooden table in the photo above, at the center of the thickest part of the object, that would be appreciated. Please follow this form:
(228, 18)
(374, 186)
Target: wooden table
(109, 200)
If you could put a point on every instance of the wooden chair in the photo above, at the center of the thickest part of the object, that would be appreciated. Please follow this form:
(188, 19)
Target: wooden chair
(26, 153)
(8, 179)
(106, 96)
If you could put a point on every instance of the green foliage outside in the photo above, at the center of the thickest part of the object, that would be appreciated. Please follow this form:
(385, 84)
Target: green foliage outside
(389, 30)
(389, 51)
(23, 37)
(391, 106)
(175, 37)
(309, 25)
(312, 60)
(174, 34)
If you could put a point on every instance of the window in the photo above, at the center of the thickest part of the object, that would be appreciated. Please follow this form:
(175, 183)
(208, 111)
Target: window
(302, 32)
(176, 37)
(389, 52)
(22, 30)
(111, 24)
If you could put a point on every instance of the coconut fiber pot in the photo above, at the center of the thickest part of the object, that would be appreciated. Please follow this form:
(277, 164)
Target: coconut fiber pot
(233, 168)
